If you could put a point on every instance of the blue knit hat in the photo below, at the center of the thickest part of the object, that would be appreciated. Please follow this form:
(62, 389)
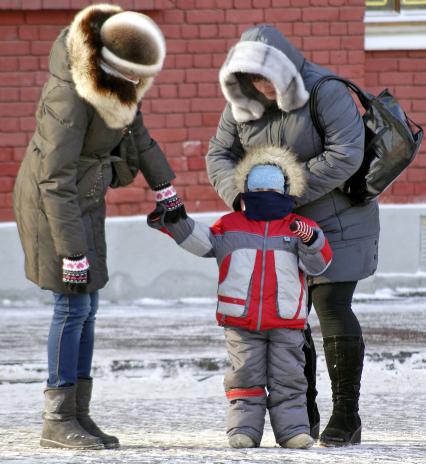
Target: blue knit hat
(266, 176)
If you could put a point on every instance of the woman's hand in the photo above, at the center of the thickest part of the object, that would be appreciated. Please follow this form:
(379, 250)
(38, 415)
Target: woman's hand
(170, 206)
(75, 272)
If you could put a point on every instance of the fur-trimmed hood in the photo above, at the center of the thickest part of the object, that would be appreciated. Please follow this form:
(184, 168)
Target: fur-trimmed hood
(114, 99)
(263, 50)
(283, 157)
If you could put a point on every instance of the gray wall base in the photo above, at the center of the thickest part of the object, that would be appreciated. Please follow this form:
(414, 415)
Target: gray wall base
(144, 263)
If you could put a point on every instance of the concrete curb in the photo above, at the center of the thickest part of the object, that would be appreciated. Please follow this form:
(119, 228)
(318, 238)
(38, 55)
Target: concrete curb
(146, 264)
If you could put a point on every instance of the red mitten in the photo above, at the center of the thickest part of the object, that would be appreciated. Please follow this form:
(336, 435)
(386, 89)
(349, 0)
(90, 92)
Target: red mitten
(306, 233)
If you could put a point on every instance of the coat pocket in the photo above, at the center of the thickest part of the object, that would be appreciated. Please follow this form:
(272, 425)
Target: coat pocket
(93, 179)
(235, 283)
(291, 286)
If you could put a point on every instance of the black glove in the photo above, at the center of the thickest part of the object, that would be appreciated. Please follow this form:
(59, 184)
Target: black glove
(306, 233)
(172, 203)
(75, 272)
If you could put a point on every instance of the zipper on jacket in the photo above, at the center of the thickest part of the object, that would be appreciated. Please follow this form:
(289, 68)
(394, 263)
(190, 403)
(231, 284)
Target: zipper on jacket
(262, 278)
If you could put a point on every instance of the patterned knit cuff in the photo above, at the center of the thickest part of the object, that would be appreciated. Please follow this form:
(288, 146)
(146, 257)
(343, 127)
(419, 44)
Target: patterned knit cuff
(174, 203)
(165, 194)
(75, 264)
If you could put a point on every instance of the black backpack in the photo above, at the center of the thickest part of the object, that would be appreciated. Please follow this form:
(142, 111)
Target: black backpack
(392, 140)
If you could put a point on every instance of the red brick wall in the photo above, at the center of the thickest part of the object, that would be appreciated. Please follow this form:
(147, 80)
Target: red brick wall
(183, 107)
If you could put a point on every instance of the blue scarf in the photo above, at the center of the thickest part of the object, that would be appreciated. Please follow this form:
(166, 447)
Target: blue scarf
(267, 206)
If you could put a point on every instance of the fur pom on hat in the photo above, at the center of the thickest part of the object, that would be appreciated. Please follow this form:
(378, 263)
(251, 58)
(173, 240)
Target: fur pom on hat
(114, 98)
(282, 157)
(133, 44)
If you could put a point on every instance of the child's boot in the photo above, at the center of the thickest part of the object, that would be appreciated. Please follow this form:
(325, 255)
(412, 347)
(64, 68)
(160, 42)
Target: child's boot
(300, 441)
(239, 440)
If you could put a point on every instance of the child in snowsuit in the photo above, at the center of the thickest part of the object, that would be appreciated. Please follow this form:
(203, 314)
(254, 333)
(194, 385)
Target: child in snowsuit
(264, 254)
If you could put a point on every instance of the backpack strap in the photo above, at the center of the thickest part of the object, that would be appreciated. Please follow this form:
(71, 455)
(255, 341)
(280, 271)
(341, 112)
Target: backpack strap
(363, 97)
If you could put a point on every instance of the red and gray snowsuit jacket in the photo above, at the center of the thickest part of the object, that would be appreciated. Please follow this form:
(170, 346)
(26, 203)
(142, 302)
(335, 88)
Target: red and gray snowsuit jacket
(262, 267)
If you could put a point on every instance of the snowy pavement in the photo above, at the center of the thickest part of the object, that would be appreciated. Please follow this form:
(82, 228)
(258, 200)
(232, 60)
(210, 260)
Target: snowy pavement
(158, 370)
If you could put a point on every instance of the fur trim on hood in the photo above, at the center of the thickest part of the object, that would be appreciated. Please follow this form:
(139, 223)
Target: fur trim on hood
(283, 157)
(114, 99)
(259, 57)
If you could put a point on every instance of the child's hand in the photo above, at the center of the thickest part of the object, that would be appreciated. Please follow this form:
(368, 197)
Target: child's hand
(306, 233)
(155, 218)
(161, 216)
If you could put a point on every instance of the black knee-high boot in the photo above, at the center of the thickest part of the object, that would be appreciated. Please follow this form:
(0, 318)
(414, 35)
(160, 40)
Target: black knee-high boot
(344, 356)
(310, 374)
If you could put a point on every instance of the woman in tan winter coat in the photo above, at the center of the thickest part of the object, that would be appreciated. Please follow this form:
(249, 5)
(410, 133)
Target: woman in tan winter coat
(100, 67)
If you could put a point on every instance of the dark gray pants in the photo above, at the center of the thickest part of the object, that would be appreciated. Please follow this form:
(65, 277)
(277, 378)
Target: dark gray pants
(272, 359)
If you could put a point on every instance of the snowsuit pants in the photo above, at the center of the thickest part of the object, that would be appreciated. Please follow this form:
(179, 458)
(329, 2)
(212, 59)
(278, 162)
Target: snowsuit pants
(266, 372)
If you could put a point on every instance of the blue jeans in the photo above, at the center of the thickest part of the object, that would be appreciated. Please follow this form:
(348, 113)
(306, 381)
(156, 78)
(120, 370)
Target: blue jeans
(71, 338)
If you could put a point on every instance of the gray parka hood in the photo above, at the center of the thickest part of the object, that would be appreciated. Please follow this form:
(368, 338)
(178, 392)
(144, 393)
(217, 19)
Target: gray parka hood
(75, 58)
(263, 50)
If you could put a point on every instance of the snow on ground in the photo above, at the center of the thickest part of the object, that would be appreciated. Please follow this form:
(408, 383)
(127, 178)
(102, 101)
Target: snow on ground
(158, 371)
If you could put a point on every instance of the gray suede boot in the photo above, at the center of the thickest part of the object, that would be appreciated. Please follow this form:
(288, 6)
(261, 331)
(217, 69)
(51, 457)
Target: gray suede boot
(60, 426)
(84, 395)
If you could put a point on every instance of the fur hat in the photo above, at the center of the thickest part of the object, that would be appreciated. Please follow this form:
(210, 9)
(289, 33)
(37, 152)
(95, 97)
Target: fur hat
(266, 176)
(283, 158)
(133, 44)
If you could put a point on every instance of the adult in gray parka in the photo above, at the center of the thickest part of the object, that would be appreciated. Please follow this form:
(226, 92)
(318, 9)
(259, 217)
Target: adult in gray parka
(266, 82)
(100, 67)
